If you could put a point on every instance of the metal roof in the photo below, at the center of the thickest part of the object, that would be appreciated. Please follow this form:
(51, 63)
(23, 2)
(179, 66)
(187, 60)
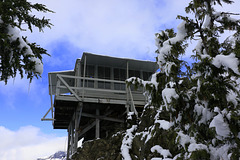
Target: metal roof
(115, 62)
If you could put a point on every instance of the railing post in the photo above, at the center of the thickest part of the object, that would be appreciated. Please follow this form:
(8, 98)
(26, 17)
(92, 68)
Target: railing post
(97, 124)
(127, 91)
(57, 86)
(77, 74)
(127, 94)
(133, 109)
(84, 75)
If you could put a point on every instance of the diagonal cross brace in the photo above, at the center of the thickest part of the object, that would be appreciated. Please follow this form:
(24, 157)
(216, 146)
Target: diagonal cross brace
(68, 87)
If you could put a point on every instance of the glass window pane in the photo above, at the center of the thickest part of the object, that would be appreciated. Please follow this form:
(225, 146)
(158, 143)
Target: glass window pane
(107, 72)
(100, 72)
(123, 86)
(107, 85)
(90, 84)
(90, 71)
(137, 74)
(117, 86)
(131, 73)
(146, 75)
(101, 85)
(116, 74)
(123, 76)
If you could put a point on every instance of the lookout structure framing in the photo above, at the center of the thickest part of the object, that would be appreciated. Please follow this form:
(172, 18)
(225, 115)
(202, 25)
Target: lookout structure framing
(95, 94)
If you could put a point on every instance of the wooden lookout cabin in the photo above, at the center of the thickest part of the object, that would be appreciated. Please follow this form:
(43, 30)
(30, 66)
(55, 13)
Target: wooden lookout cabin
(90, 99)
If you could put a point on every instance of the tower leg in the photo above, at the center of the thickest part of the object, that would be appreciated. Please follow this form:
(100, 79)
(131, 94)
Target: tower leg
(97, 124)
(78, 115)
(68, 145)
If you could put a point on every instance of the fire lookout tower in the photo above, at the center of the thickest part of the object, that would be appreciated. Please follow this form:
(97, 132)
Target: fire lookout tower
(94, 96)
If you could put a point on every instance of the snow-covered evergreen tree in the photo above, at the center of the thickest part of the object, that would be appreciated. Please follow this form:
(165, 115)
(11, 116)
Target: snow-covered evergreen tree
(192, 114)
(215, 111)
(17, 55)
(196, 114)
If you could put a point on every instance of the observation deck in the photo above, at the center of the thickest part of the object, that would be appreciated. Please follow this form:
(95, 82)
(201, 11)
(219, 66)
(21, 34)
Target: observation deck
(95, 91)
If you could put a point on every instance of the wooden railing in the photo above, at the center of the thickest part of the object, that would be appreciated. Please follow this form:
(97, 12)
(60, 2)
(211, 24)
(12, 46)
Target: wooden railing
(80, 91)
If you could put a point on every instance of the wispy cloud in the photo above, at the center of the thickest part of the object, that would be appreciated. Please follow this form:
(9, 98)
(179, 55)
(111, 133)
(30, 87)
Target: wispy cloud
(120, 28)
(117, 27)
(28, 143)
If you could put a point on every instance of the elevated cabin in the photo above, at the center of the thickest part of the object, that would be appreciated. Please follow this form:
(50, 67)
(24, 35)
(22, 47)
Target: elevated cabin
(95, 91)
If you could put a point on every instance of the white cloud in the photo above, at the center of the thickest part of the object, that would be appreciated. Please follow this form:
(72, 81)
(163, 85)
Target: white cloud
(117, 27)
(28, 143)
(120, 28)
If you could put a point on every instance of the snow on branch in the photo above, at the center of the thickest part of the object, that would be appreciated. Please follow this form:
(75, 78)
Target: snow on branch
(164, 152)
(228, 61)
(127, 143)
(152, 83)
(165, 49)
(15, 34)
(221, 127)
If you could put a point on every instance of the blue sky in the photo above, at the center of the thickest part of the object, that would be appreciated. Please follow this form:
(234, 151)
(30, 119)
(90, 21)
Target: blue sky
(120, 28)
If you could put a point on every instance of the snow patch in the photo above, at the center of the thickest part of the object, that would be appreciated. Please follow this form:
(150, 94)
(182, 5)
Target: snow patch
(222, 128)
(167, 46)
(194, 146)
(164, 152)
(152, 82)
(207, 21)
(129, 115)
(164, 124)
(15, 34)
(203, 111)
(184, 139)
(232, 97)
(168, 94)
(220, 153)
(127, 143)
(228, 61)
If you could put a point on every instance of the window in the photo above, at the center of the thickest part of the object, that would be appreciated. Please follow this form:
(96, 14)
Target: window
(120, 75)
(147, 75)
(89, 74)
(104, 73)
(133, 73)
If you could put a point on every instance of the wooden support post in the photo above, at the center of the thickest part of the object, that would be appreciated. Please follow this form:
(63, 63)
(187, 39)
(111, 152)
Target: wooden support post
(112, 77)
(78, 115)
(72, 137)
(75, 133)
(78, 74)
(127, 70)
(127, 91)
(57, 87)
(95, 83)
(73, 130)
(97, 124)
(68, 144)
(84, 75)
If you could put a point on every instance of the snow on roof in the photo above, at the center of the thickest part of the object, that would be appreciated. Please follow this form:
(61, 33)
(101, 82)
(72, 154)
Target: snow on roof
(61, 71)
